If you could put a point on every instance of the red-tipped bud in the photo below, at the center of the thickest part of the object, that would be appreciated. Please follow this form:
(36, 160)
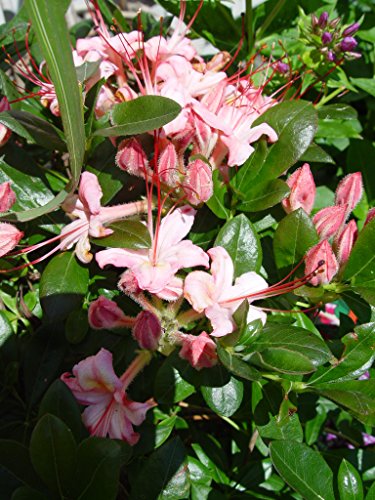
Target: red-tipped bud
(329, 220)
(7, 197)
(345, 241)
(370, 215)
(147, 330)
(198, 182)
(131, 157)
(168, 162)
(349, 191)
(321, 259)
(199, 351)
(106, 314)
(9, 237)
(302, 190)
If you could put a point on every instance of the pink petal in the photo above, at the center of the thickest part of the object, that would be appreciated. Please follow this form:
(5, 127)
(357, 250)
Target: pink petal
(90, 192)
(173, 228)
(121, 257)
(186, 254)
(221, 269)
(173, 290)
(221, 320)
(97, 372)
(200, 290)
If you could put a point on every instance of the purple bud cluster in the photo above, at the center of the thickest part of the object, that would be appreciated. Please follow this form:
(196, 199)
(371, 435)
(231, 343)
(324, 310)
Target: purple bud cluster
(331, 40)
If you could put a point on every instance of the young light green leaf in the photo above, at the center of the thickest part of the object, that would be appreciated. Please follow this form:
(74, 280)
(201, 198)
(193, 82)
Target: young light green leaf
(349, 482)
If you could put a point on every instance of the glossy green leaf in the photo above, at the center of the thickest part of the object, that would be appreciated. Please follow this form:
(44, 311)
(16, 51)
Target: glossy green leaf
(359, 151)
(126, 234)
(241, 241)
(357, 357)
(295, 122)
(167, 469)
(170, 387)
(200, 479)
(15, 459)
(289, 349)
(98, 469)
(53, 454)
(163, 430)
(63, 284)
(366, 84)
(338, 111)
(140, 115)
(218, 203)
(303, 469)
(76, 326)
(316, 154)
(60, 402)
(264, 195)
(349, 482)
(242, 178)
(360, 268)
(236, 365)
(224, 399)
(371, 493)
(34, 129)
(294, 235)
(6, 330)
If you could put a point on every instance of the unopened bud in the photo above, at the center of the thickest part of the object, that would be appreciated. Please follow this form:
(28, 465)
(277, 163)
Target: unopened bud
(331, 56)
(131, 157)
(282, 67)
(329, 220)
(345, 241)
(348, 43)
(7, 197)
(5, 133)
(351, 30)
(128, 283)
(106, 314)
(302, 190)
(219, 61)
(322, 273)
(335, 22)
(349, 191)
(370, 215)
(147, 330)
(199, 351)
(198, 184)
(323, 19)
(326, 38)
(314, 21)
(168, 163)
(9, 237)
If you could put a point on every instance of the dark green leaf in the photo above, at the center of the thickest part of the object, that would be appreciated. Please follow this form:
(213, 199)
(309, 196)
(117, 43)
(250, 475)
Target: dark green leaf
(6, 330)
(53, 454)
(303, 469)
(86, 70)
(241, 241)
(15, 459)
(126, 234)
(294, 235)
(339, 129)
(349, 482)
(289, 349)
(163, 430)
(76, 326)
(315, 153)
(218, 203)
(360, 269)
(242, 180)
(200, 479)
(170, 387)
(141, 115)
(63, 284)
(26, 493)
(224, 399)
(168, 470)
(236, 365)
(98, 469)
(371, 493)
(60, 402)
(264, 195)
(338, 111)
(366, 84)
(358, 154)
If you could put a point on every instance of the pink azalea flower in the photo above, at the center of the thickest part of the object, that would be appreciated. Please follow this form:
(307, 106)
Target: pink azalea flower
(7, 197)
(109, 411)
(5, 132)
(198, 350)
(9, 237)
(216, 296)
(155, 268)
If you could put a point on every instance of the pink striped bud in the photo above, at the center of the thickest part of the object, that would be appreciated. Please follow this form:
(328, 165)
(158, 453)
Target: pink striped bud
(131, 157)
(9, 237)
(370, 215)
(329, 220)
(147, 330)
(199, 351)
(321, 258)
(198, 182)
(106, 314)
(7, 197)
(168, 165)
(345, 241)
(349, 191)
(302, 190)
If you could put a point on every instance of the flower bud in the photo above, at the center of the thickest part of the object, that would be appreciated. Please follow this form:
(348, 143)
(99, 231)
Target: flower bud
(106, 314)
(128, 283)
(326, 38)
(199, 351)
(131, 157)
(7, 197)
(282, 67)
(9, 237)
(370, 215)
(349, 191)
(335, 22)
(302, 190)
(329, 220)
(5, 133)
(314, 21)
(198, 182)
(348, 43)
(147, 330)
(323, 19)
(351, 30)
(345, 241)
(322, 259)
(331, 56)
(168, 164)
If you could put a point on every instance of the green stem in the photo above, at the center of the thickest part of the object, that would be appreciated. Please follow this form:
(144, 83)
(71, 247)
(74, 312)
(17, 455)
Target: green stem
(249, 27)
(329, 97)
(270, 18)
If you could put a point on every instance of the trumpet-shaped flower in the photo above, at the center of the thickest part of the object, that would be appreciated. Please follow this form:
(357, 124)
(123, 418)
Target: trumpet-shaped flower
(216, 296)
(109, 411)
(155, 268)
